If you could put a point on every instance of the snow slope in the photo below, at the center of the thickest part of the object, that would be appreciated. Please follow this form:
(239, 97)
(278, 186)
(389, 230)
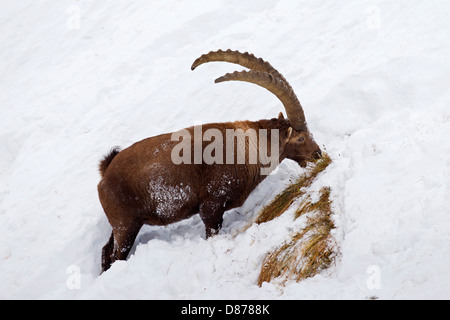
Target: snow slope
(78, 77)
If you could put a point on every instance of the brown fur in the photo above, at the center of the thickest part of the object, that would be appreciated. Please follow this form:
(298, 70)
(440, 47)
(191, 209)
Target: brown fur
(107, 160)
(141, 185)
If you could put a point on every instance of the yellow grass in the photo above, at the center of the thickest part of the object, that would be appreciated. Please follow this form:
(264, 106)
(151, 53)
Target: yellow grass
(284, 200)
(311, 249)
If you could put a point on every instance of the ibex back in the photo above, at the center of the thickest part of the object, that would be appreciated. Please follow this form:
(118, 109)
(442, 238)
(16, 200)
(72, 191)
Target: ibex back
(142, 184)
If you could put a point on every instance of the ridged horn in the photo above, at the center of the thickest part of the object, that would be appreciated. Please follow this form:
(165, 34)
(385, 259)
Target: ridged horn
(279, 88)
(245, 59)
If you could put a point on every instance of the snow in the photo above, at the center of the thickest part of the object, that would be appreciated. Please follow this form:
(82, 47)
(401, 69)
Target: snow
(78, 78)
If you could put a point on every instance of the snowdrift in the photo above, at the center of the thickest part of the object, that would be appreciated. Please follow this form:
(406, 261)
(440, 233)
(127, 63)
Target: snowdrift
(78, 78)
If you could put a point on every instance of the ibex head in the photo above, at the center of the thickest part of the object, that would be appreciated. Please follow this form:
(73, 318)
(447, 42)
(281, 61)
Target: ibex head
(299, 145)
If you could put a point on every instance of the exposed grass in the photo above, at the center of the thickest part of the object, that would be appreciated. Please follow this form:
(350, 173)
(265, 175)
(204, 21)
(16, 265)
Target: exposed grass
(284, 200)
(323, 205)
(311, 249)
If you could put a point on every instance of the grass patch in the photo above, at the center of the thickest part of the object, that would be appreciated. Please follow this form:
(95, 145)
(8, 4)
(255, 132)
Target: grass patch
(310, 250)
(284, 200)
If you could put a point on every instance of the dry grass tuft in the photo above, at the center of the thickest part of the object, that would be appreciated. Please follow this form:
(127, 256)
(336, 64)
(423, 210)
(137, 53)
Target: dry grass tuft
(310, 250)
(313, 248)
(284, 200)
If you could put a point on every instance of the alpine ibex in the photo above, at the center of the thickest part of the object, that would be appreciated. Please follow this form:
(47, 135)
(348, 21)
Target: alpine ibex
(142, 184)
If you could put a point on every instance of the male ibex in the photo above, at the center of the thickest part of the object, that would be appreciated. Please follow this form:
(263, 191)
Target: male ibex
(142, 184)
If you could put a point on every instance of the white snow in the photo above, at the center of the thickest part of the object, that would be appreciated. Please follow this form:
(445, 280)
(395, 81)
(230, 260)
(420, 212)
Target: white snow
(79, 77)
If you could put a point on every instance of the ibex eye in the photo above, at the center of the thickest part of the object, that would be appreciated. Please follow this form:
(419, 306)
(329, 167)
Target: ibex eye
(301, 139)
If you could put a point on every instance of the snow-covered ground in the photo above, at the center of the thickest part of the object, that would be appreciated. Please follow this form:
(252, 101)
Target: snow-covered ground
(78, 77)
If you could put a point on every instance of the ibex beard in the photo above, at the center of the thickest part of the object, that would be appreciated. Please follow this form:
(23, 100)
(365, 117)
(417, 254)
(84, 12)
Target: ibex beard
(239, 146)
(204, 170)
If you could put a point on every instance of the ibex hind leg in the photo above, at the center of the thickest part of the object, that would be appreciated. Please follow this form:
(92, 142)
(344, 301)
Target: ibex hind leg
(107, 253)
(212, 216)
(120, 243)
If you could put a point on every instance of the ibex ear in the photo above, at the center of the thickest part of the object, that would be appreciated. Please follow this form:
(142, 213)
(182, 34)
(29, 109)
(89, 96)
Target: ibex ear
(280, 115)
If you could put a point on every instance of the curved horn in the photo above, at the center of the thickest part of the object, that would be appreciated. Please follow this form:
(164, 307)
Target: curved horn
(246, 59)
(279, 88)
